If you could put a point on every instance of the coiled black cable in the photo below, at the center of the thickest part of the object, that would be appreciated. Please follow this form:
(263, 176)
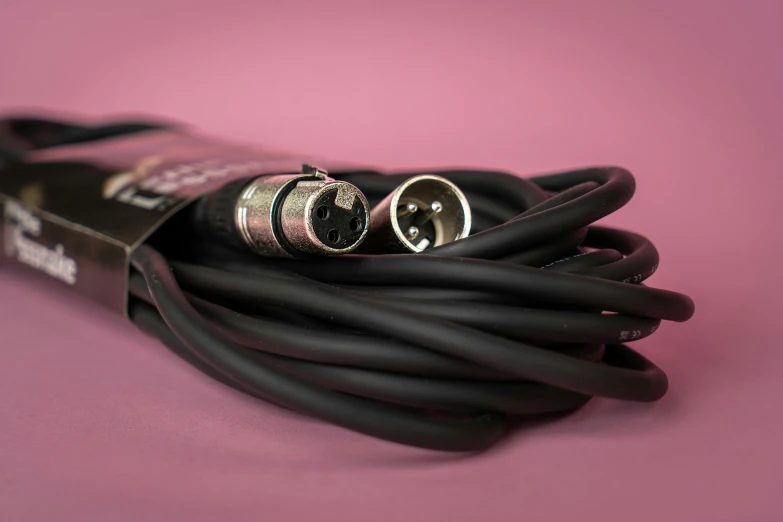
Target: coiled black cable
(438, 350)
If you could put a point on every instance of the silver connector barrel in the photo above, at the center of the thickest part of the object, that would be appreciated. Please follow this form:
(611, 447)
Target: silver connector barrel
(424, 212)
(288, 214)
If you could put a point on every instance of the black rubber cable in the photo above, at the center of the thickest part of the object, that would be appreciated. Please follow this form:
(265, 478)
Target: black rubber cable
(379, 419)
(438, 350)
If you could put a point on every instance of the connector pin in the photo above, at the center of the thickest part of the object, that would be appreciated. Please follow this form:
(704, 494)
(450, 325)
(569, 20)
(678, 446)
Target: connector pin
(425, 217)
(404, 210)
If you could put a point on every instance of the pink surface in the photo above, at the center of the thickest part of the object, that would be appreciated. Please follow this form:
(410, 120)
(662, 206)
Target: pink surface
(101, 423)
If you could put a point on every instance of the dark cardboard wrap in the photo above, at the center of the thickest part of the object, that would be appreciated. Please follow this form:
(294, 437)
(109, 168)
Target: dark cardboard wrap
(76, 213)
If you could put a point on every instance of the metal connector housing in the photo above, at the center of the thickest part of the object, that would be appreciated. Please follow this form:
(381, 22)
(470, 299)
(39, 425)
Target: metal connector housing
(289, 214)
(424, 212)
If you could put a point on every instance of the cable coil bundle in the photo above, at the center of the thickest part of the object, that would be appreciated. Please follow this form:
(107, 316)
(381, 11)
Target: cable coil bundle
(443, 349)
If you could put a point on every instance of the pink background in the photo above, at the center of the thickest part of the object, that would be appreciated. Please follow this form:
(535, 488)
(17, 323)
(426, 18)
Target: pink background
(98, 422)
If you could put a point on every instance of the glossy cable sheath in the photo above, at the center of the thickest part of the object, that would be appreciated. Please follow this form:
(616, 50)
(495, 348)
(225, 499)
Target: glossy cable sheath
(441, 350)
(440, 337)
